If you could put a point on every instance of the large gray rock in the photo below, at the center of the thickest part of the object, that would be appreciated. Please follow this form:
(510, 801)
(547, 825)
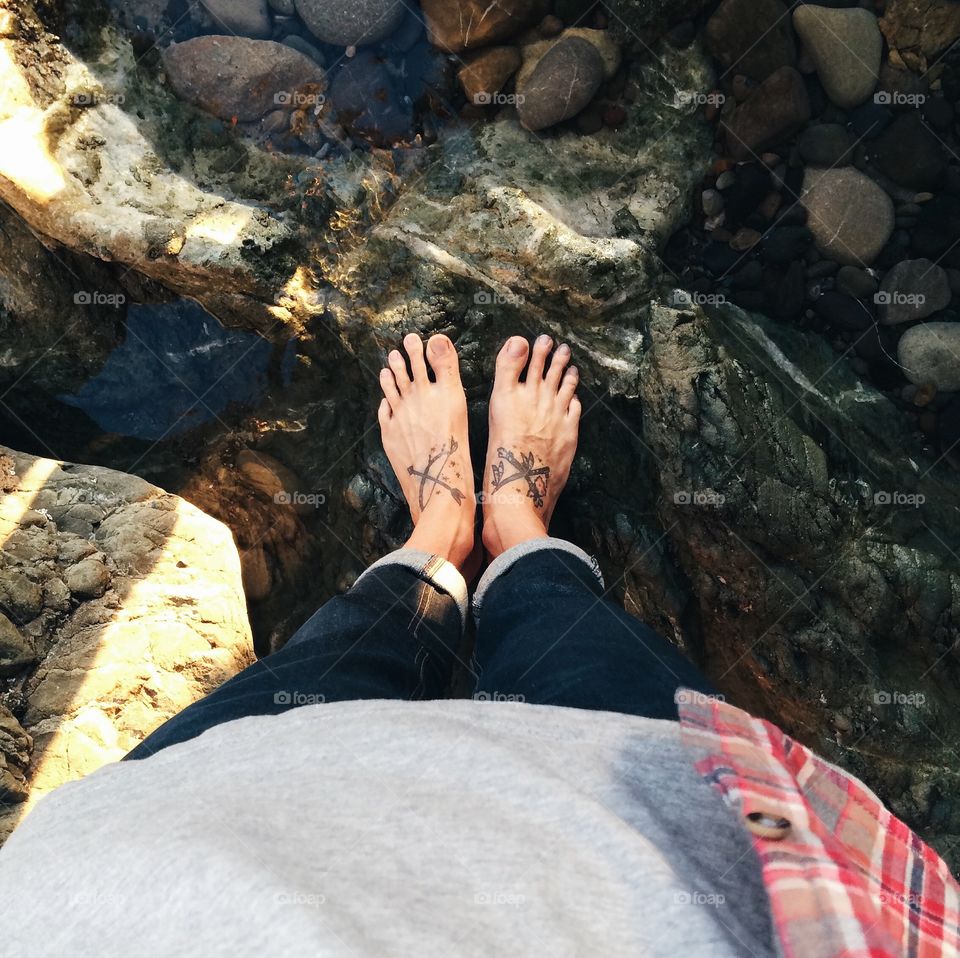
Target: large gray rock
(913, 289)
(850, 217)
(351, 22)
(930, 353)
(126, 605)
(845, 45)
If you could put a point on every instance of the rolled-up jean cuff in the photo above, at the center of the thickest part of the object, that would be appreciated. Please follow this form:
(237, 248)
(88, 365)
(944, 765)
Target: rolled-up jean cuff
(508, 558)
(436, 570)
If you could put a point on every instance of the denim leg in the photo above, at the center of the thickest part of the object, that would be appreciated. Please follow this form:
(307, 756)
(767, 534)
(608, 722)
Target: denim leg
(546, 635)
(395, 635)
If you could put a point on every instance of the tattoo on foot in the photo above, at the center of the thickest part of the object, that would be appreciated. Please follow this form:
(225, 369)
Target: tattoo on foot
(536, 477)
(432, 475)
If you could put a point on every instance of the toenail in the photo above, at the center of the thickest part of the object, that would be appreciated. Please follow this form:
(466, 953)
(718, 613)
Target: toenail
(517, 346)
(543, 339)
(563, 348)
(440, 344)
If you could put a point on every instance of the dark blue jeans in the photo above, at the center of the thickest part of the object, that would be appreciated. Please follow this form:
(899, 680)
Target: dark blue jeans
(545, 635)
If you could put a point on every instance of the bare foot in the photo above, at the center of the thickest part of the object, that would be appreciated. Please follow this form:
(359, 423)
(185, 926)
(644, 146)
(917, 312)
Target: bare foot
(533, 436)
(424, 430)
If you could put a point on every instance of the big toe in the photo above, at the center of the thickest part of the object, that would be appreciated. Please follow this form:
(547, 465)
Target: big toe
(443, 358)
(511, 360)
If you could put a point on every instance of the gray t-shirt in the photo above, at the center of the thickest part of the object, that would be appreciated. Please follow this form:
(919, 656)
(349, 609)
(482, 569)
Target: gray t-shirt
(392, 828)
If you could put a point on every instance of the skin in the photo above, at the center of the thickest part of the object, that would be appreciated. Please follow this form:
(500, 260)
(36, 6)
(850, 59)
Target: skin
(533, 437)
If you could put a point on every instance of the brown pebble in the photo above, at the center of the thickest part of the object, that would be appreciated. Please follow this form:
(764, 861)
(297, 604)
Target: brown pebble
(925, 394)
(770, 205)
(770, 160)
(614, 116)
(550, 25)
(721, 235)
(744, 239)
(721, 165)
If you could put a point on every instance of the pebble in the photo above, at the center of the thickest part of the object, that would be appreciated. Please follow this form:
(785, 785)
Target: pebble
(305, 47)
(777, 109)
(458, 25)
(246, 18)
(486, 72)
(750, 185)
(869, 120)
(348, 23)
(364, 98)
(744, 239)
(711, 202)
(561, 84)
(726, 179)
(930, 353)
(751, 37)
(850, 217)
(909, 153)
(856, 282)
(237, 76)
(827, 144)
(769, 206)
(846, 46)
(550, 26)
(786, 243)
(911, 290)
(788, 292)
(821, 269)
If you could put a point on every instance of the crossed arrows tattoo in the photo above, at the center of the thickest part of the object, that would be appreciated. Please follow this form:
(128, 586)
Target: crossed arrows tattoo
(426, 474)
(535, 477)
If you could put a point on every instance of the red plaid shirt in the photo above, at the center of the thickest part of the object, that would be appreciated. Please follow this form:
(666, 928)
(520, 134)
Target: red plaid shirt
(844, 876)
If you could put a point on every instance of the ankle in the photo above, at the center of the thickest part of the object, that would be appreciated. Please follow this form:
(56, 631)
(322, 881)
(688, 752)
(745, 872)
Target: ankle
(502, 532)
(452, 536)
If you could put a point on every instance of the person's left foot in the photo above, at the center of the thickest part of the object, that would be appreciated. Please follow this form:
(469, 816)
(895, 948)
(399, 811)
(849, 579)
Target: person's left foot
(424, 430)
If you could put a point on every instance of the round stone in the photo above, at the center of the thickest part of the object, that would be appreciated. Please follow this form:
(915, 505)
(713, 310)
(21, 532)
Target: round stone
(911, 290)
(827, 144)
(751, 37)
(350, 23)
(850, 217)
(930, 353)
(562, 83)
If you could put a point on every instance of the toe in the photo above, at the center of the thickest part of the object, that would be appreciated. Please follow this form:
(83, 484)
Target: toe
(413, 344)
(388, 383)
(557, 365)
(511, 360)
(574, 409)
(443, 359)
(568, 386)
(400, 376)
(541, 349)
(383, 413)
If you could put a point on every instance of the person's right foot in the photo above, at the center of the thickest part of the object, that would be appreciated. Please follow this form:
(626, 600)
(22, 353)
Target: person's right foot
(533, 436)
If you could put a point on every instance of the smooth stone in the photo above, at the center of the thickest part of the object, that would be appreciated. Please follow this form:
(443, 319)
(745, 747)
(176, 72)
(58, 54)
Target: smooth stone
(846, 46)
(236, 76)
(786, 244)
(827, 144)
(16, 649)
(911, 290)
(458, 25)
(246, 18)
(562, 83)
(711, 201)
(603, 40)
(364, 98)
(286, 8)
(751, 37)
(856, 282)
(900, 89)
(843, 312)
(869, 120)
(350, 23)
(305, 47)
(485, 73)
(909, 153)
(850, 217)
(930, 353)
(777, 109)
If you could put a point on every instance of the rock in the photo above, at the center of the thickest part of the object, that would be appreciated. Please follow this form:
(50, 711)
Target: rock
(920, 30)
(856, 282)
(751, 37)
(562, 83)
(305, 47)
(911, 290)
(274, 480)
(845, 45)
(909, 153)
(711, 202)
(365, 99)
(648, 19)
(900, 89)
(16, 650)
(168, 625)
(458, 25)
(937, 227)
(870, 119)
(786, 243)
(842, 312)
(602, 40)
(930, 353)
(485, 73)
(349, 23)
(247, 18)
(236, 77)
(827, 144)
(746, 192)
(850, 217)
(286, 8)
(777, 109)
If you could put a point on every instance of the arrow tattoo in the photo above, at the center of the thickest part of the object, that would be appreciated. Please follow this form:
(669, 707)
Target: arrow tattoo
(535, 477)
(426, 475)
